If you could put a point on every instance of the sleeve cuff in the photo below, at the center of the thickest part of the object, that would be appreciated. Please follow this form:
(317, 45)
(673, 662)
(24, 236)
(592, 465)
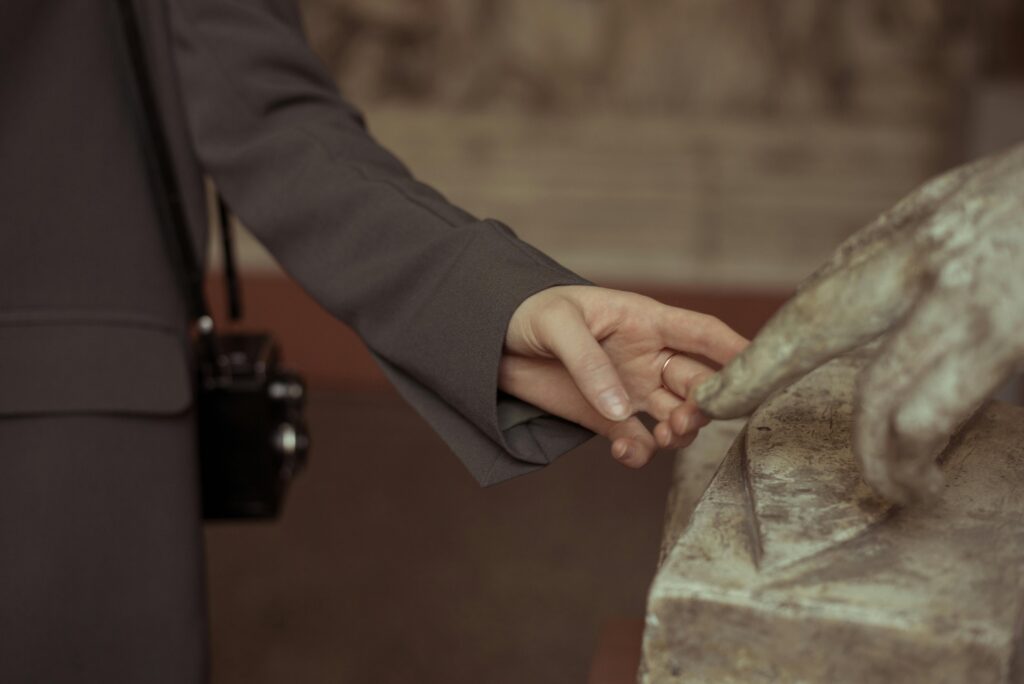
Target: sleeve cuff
(532, 440)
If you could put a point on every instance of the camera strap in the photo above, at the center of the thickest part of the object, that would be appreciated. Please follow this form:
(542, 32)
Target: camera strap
(167, 194)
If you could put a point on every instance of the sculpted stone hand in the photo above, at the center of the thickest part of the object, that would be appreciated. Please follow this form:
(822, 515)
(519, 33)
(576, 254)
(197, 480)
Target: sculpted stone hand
(943, 273)
(596, 357)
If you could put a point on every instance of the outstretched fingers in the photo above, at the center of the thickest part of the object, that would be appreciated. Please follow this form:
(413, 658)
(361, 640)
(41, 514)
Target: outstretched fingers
(927, 381)
(681, 427)
(698, 333)
(678, 426)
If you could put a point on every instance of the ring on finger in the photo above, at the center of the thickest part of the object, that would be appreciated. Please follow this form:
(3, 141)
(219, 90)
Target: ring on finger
(664, 366)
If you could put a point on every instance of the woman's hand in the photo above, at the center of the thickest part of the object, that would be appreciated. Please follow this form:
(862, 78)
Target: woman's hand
(597, 357)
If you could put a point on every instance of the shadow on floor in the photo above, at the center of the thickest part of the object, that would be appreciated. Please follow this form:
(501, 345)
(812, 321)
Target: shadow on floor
(391, 565)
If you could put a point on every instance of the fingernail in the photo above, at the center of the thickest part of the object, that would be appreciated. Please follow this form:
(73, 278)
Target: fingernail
(683, 425)
(619, 451)
(614, 403)
(663, 433)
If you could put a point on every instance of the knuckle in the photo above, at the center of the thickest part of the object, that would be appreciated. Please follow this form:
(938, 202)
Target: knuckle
(681, 421)
(712, 321)
(559, 307)
(705, 328)
(551, 317)
(593, 364)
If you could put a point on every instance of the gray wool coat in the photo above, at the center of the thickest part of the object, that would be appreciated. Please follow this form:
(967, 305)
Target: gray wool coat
(101, 567)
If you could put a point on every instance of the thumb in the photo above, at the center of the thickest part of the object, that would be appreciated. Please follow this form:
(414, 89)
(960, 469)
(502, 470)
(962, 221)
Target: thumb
(565, 333)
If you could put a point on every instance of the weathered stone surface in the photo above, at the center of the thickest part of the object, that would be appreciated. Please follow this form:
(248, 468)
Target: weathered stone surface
(792, 570)
(695, 466)
(936, 280)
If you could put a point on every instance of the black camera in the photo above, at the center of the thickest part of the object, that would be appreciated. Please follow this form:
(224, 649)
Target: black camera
(252, 431)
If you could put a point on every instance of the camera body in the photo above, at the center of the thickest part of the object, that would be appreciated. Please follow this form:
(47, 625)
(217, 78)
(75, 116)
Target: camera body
(252, 430)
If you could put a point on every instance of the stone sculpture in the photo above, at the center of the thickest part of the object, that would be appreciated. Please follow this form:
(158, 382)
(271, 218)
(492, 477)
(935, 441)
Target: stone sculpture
(942, 273)
(791, 569)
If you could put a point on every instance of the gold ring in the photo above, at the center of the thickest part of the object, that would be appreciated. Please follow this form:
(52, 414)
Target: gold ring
(663, 367)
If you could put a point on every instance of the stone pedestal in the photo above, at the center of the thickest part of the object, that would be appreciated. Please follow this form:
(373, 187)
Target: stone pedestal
(791, 570)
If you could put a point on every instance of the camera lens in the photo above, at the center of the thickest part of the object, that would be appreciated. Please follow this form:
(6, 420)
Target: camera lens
(291, 440)
(286, 439)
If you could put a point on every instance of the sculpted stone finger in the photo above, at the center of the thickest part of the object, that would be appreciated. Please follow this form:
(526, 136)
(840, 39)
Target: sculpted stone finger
(918, 345)
(928, 378)
(962, 339)
(832, 316)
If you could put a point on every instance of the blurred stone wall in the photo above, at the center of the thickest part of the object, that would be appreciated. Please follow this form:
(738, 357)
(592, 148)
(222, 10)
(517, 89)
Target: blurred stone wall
(718, 143)
(888, 59)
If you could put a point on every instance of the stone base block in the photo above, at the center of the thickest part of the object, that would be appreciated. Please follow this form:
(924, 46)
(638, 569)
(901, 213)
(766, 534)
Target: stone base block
(791, 570)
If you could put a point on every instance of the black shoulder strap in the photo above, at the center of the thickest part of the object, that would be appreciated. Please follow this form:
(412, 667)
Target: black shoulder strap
(167, 195)
(160, 169)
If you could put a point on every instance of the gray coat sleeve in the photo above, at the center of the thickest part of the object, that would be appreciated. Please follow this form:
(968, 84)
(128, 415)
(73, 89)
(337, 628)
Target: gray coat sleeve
(428, 287)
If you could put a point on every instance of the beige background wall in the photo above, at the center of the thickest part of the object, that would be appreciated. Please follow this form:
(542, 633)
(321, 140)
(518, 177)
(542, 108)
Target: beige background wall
(671, 142)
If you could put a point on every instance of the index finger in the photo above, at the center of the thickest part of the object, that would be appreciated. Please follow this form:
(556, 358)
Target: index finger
(829, 317)
(700, 333)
